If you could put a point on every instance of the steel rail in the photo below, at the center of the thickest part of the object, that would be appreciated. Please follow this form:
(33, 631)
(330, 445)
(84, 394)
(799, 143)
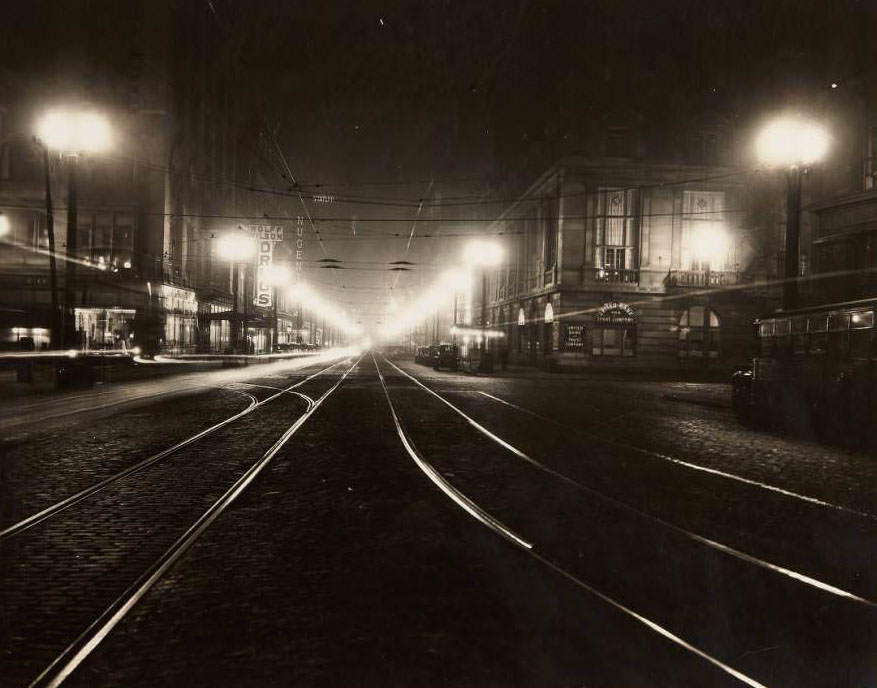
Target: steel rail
(75, 653)
(93, 489)
(688, 464)
(791, 574)
(498, 527)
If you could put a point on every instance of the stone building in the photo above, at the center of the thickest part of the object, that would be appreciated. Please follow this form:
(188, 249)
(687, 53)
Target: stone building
(617, 264)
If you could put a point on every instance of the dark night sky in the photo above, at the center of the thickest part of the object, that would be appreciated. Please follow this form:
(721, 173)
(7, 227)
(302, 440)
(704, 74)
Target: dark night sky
(493, 91)
(484, 95)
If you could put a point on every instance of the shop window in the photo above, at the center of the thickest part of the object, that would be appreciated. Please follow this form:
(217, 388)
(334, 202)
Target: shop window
(614, 341)
(700, 330)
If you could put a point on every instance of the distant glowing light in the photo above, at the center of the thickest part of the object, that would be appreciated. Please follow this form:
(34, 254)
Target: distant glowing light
(5, 225)
(276, 275)
(483, 252)
(834, 85)
(478, 334)
(710, 244)
(236, 246)
(791, 141)
(75, 132)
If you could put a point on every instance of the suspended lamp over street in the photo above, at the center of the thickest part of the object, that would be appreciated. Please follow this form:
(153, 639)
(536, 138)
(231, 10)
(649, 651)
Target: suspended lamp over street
(74, 132)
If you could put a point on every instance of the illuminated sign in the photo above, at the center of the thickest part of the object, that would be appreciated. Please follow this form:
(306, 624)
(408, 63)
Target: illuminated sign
(267, 236)
(264, 290)
(266, 232)
(299, 243)
(574, 336)
(615, 312)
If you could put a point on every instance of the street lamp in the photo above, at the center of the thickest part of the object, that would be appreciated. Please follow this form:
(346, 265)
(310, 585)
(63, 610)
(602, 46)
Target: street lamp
(793, 144)
(238, 249)
(71, 133)
(275, 276)
(483, 253)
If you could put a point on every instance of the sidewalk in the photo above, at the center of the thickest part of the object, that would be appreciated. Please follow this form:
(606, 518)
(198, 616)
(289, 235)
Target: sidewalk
(26, 404)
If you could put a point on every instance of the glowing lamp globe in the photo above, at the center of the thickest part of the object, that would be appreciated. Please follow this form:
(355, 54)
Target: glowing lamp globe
(236, 247)
(74, 132)
(791, 141)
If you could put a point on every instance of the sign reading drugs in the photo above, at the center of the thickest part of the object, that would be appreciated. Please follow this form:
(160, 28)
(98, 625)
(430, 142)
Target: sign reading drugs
(264, 290)
(267, 236)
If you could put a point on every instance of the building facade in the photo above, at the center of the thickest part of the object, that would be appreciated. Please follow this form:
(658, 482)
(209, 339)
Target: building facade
(616, 264)
(184, 154)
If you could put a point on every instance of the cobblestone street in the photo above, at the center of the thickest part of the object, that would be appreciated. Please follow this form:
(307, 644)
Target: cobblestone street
(631, 534)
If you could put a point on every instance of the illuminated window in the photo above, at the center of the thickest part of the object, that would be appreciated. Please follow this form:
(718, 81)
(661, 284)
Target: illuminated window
(699, 333)
(615, 236)
(705, 241)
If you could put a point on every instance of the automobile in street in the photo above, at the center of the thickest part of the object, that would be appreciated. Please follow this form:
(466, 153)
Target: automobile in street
(448, 356)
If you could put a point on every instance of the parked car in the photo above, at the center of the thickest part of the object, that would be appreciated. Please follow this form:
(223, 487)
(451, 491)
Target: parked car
(448, 356)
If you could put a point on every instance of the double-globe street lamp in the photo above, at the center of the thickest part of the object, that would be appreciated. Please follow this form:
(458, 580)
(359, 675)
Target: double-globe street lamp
(72, 133)
(793, 144)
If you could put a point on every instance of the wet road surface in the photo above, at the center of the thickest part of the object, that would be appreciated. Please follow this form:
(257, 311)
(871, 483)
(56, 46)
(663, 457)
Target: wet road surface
(409, 527)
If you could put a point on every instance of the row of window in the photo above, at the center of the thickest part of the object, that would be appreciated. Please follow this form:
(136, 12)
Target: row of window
(836, 335)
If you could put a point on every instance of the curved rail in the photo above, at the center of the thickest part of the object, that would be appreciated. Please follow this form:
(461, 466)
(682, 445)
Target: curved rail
(688, 464)
(75, 653)
(619, 504)
(508, 534)
(93, 489)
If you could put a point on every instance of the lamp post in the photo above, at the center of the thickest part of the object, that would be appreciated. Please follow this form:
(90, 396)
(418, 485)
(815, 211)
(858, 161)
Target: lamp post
(275, 276)
(483, 253)
(72, 133)
(792, 144)
(237, 248)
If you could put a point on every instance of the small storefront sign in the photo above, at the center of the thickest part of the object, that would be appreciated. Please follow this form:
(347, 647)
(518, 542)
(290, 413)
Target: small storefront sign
(615, 313)
(574, 336)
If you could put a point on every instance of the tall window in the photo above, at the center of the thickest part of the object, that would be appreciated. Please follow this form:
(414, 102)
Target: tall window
(705, 241)
(549, 221)
(615, 234)
(699, 331)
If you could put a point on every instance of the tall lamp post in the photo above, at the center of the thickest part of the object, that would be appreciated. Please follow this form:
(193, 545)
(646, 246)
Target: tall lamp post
(792, 144)
(71, 133)
(238, 249)
(483, 254)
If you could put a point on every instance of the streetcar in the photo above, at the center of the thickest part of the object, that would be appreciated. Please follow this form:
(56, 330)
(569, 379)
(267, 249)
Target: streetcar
(814, 370)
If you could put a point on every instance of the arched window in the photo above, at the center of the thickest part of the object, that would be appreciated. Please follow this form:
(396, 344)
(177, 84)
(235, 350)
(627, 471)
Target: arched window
(549, 312)
(699, 333)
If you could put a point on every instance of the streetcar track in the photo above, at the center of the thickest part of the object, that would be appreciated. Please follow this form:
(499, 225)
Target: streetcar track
(791, 574)
(506, 533)
(687, 464)
(76, 652)
(66, 503)
(308, 399)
